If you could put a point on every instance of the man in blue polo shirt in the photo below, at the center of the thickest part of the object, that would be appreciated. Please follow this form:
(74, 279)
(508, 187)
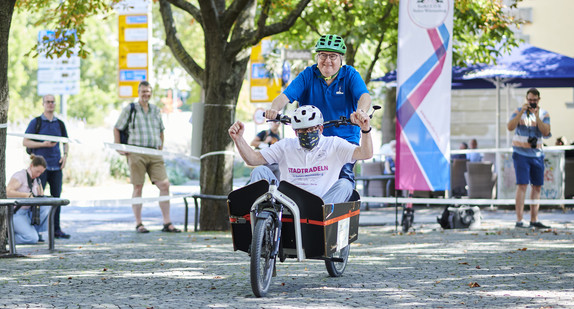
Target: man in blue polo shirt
(336, 89)
(50, 125)
(532, 124)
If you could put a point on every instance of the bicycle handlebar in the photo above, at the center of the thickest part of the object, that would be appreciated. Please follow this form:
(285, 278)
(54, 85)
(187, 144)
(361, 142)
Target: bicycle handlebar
(342, 121)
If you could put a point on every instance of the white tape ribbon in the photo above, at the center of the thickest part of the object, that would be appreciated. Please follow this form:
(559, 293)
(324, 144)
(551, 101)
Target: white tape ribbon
(124, 202)
(459, 201)
(51, 138)
(3, 125)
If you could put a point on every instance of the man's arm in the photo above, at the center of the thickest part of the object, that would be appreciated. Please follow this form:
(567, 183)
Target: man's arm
(33, 144)
(277, 105)
(513, 123)
(543, 127)
(64, 157)
(248, 154)
(116, 135)
(365, 149)
(161, 137)
(364, 103)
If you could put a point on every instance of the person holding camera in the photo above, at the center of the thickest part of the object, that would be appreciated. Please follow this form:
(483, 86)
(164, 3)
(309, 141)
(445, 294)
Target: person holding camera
(531, 123)
(29, 221)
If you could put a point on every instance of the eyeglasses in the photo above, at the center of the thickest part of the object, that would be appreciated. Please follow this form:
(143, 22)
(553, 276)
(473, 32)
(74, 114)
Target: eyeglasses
(331, 57)
(50, 102)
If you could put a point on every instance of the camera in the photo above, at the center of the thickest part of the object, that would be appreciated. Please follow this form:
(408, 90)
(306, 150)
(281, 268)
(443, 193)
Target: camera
(532, 105)
(533, 141)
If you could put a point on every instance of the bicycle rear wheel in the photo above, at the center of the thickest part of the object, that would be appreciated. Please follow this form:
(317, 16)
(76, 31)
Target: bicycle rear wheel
(336, 269)
(262, 263)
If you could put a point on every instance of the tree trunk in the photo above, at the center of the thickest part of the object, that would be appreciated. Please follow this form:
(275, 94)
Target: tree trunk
(6, 11)
(224, 82)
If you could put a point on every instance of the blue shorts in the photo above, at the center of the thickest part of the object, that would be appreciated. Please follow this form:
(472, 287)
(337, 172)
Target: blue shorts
(528, 169)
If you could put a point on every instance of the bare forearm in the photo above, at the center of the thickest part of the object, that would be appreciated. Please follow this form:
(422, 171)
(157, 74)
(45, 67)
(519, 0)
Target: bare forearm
(248, 154)
(365, 149)
(544, 128)
(116, 136)
(513, 123)
(364, 102)
(279, 102)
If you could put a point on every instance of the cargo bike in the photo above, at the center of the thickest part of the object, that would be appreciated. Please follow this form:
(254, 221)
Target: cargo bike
(273, 221)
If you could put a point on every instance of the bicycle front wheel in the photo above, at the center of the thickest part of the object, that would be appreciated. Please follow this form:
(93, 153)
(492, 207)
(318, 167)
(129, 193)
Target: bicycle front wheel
(336, 269)
(261, 261)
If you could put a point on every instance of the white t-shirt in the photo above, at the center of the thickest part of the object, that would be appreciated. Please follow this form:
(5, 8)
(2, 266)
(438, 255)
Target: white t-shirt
(314, 170)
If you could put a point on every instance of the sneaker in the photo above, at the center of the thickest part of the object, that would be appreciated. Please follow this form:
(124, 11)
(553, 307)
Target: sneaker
(538, 225)
(521, 225)
(40, 239)
(61, 235)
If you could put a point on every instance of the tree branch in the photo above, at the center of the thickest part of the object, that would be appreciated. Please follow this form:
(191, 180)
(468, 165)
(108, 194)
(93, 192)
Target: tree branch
(188, 7)
(179, 52)
(254, 36)
(369, 72)
(230, 15)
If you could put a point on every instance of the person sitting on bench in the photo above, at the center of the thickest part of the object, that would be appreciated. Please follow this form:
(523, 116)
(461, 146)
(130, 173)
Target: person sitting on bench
(29, 222)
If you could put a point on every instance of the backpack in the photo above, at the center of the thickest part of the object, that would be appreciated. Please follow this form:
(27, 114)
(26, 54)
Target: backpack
(37, 130)
(125, 133)
(460, 217)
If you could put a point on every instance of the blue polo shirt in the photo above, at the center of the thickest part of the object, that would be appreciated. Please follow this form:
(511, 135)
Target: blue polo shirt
(338, 99)
(51, 154)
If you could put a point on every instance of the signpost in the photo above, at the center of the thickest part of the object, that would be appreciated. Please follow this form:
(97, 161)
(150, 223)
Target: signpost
(57, 76)
(263, 86)
(134, 57)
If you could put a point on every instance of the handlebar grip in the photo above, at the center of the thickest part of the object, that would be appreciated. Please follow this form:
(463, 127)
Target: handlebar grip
(278, 117)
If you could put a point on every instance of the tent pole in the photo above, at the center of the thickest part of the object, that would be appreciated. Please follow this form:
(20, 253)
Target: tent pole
(498, 154)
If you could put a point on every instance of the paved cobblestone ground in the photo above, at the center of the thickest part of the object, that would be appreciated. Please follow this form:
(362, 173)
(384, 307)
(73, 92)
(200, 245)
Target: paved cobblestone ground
(108, 265)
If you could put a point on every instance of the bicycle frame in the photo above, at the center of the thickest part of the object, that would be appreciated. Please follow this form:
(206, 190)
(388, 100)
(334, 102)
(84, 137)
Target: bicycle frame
(275, 196)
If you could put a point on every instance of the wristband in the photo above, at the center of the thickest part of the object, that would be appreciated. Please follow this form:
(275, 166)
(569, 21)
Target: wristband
(368, 131)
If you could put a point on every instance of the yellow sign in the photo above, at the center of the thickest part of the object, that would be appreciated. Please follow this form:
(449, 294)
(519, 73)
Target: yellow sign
(133, 53)
(263, 86)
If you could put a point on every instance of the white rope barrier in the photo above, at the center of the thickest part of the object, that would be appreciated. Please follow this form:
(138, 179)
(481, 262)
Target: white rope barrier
(505, 150)
(125, 202)
(51, 138)
(367, 199)
(461, 201)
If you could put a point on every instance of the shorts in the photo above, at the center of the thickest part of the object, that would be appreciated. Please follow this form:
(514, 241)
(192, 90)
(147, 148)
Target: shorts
(140, 164)
(528, 169)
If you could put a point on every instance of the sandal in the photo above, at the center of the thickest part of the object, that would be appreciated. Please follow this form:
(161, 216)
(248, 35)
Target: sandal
(168, 230)
(140, 228)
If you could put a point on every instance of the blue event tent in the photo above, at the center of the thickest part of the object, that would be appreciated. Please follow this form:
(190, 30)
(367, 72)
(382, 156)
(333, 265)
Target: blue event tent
(526, 66)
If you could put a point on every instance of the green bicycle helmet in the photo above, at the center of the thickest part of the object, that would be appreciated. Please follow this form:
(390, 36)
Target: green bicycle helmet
(331, 43)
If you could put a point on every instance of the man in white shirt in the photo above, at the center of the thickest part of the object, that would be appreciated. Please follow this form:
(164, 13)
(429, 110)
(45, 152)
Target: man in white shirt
(311, 161)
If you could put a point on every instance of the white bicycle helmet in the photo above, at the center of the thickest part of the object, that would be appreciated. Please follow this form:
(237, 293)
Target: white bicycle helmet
(306, 116)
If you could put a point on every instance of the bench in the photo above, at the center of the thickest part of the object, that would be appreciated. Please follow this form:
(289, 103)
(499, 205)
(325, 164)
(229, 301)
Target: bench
(195, 198)
(39, 201)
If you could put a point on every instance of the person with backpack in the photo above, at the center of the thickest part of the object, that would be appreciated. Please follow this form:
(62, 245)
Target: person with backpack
(49, 124)
(140, 124)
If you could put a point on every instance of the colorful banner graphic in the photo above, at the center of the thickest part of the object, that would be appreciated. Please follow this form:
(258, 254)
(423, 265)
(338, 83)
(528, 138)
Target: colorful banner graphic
(423, 94)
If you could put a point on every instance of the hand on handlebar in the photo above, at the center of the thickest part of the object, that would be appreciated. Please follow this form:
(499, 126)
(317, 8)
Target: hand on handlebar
(361, 119)
(271, 114)
(236, 130)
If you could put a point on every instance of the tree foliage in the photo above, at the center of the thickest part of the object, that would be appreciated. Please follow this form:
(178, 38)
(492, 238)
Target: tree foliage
(482, 30)
(66, 15)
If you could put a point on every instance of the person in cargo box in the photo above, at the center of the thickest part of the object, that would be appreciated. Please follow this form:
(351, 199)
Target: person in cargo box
(310, 161)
